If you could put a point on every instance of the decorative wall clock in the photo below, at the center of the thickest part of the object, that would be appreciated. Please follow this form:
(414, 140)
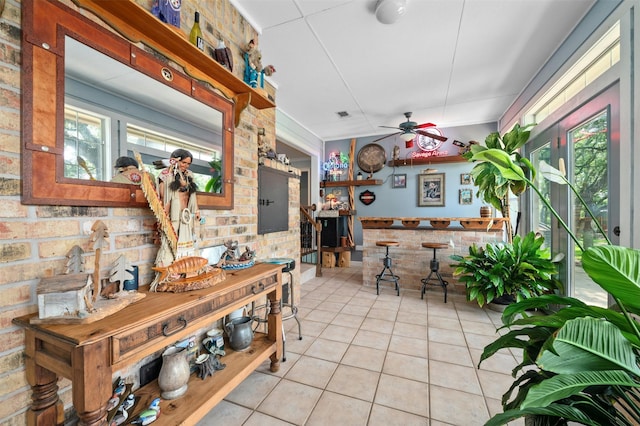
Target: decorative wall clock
(371, 158)
(426, 143)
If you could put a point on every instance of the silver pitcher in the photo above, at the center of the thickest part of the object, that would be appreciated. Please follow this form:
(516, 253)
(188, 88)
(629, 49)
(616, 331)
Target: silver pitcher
(240, 333)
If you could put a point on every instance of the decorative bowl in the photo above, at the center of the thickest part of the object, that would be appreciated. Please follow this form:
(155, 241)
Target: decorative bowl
(439, 224)
(376, 223)
(410, 223)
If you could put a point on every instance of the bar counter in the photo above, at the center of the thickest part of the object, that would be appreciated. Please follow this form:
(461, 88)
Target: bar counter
(410, 260)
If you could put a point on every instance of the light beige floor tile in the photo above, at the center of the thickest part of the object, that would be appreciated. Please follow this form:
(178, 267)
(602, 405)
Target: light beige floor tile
(339, 333)
(383, 314)
(355, 382)
(499, 362)
(494, 384)
(385, 416)
(388, 302)
(253, 390)
(331, 306)
(372, 339)
(454, 376)
(225, 413)
(353, 309)
(312, 328)
(486, 329)
(312, 371)
(259, 419)
(479, 341)
(454, 407)
(409, 317)
(364, 357)
(265, 367)
(334, 409)
(409, 346)
(374, 324)
(415, 331)
(290, 401)
(348, 320)
(441, 335)
(299, 346)
(407, 366)
(450, 353)
(403, 394)
(444, 323)
(327, 349)
(319, 315)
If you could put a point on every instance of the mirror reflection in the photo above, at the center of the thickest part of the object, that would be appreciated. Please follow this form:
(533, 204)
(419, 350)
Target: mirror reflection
(112, 111)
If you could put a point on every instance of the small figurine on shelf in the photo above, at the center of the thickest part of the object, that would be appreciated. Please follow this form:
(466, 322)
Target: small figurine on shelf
(149, 415)
(253, 66)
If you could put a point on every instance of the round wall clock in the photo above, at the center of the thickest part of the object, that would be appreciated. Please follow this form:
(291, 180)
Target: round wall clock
(371, 158)
(425, 143)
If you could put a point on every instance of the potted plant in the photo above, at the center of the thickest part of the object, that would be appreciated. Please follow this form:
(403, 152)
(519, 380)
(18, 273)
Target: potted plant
(493, 187)
(580, 362)
(215, 182)
(506, 272)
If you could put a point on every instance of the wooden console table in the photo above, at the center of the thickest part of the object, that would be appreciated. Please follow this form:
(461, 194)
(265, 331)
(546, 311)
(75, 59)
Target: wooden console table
(89, 354)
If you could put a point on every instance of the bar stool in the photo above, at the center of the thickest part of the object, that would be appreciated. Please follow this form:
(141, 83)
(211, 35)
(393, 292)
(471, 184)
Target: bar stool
(435, 269)
(391, 277)
(288, 301)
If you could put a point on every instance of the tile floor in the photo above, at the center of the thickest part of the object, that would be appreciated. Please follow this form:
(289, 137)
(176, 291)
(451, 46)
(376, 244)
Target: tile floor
(366, 359)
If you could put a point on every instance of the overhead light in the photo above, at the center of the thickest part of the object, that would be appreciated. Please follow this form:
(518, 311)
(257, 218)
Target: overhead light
(389, 11)
(407, 136)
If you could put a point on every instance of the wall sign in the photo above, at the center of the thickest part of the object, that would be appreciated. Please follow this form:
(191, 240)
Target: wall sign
(367, 197)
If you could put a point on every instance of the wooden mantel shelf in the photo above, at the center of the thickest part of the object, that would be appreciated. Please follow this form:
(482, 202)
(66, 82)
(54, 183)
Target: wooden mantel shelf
(139, 25)
(364, 182)
(426, 161)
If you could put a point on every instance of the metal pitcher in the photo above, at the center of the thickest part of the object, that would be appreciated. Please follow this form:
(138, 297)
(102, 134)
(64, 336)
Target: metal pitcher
(240, 333)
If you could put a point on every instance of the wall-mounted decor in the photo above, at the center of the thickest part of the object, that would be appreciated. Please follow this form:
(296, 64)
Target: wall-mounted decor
(466, 196)
(431, 190)
(367, 197)
(399, 181)
(465, 179)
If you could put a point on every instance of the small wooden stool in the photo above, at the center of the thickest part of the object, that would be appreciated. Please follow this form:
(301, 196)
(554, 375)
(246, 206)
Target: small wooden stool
(387, 267)
(435, 269)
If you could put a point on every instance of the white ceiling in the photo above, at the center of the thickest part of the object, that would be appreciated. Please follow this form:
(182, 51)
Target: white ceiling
(450, 62)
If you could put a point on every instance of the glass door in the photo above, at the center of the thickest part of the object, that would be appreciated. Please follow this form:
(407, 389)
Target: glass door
(588, 142)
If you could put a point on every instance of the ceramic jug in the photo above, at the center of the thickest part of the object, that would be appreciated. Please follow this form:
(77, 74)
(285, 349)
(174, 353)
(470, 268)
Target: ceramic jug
(174, 373)
(240, 333)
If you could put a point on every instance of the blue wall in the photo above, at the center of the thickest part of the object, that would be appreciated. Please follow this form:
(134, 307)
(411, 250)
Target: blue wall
(403, 202)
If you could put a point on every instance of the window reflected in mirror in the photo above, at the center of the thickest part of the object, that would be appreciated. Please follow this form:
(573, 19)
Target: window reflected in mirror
(112, 110)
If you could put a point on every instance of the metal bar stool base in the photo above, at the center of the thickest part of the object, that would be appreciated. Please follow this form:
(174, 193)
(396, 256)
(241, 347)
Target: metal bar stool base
(435, 269)
(383, 276)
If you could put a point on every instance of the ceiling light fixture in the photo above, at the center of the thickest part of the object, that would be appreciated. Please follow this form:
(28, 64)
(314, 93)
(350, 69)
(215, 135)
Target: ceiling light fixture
(389, 11)
(407, 136)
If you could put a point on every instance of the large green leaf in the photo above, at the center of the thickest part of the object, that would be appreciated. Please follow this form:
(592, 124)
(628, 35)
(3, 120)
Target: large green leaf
(503, 162)
(617, 270)
(589, 344)
(553, 410)
(565, 385)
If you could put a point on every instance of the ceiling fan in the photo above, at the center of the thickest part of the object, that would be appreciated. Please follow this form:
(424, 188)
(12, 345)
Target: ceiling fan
(410, 129)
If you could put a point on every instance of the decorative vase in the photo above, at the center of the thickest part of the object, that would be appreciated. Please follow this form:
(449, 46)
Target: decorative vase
(174, 373)
(239, 332)
(485, 211)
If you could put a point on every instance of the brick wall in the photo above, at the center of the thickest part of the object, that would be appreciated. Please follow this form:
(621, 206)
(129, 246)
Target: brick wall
(35, 239)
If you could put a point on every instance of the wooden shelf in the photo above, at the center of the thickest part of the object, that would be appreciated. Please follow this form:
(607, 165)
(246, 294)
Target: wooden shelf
(137, 24)
(203, 395)
(364, 182)
(426, 161)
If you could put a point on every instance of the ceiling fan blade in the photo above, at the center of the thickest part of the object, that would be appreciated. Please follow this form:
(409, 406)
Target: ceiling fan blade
(432, 135)
(384, 137)
(422, 126)
(389, 127)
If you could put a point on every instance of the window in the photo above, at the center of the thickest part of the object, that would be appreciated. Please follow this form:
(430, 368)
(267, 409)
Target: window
(85, 134)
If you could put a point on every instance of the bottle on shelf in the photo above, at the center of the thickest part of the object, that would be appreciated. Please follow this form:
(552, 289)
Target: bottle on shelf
(195, 37)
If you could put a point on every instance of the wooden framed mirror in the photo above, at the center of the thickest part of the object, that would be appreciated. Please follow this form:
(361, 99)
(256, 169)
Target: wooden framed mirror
(49, 27)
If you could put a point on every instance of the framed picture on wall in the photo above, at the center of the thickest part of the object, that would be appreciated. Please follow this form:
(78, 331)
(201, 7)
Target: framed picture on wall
(466, 196)
(431, 190)
(465, 179)
(399, 181)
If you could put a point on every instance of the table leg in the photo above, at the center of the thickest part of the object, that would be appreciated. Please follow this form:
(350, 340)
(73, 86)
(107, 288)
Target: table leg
(275, 325)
